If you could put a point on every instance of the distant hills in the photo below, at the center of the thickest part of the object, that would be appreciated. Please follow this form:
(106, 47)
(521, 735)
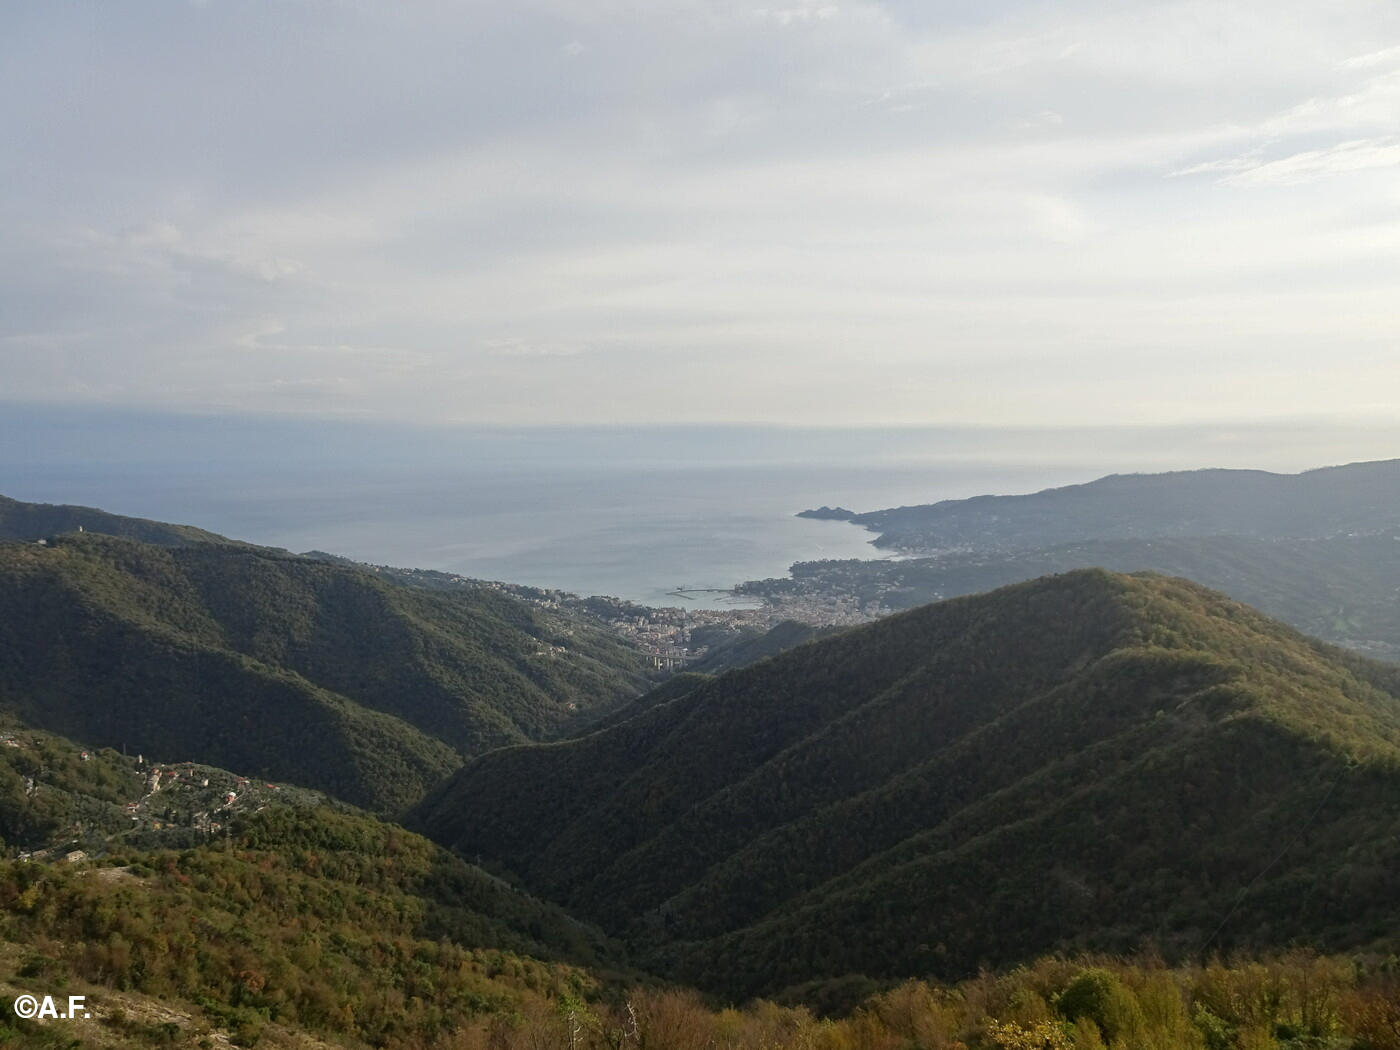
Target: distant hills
(1319, 550)
(1083, 761)
(291, 668)
(825, 513)
(1345, 589)
(1357, 498)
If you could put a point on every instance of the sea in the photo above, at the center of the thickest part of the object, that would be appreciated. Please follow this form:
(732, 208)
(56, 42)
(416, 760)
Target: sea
(659, 515)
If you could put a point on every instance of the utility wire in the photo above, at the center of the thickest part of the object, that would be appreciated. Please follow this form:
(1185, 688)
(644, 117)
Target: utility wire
(1301, 832)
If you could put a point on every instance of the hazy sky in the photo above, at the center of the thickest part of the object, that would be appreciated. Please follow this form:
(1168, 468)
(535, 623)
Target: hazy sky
(980, 211)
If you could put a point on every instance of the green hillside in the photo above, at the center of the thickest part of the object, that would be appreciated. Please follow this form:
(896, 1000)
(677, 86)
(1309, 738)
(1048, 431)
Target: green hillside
(255, 908)
(289, 668)
(36, 521)
(309, 928)
(321, 921)
(672, 688)
(1077, 762)
(751, 646)
(316, 927)
(58, 798)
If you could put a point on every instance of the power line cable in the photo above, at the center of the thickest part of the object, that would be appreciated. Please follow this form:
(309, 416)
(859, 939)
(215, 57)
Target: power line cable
(1301, 832)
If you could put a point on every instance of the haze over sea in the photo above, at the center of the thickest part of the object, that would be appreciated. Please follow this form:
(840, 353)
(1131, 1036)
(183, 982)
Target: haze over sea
(628, 511)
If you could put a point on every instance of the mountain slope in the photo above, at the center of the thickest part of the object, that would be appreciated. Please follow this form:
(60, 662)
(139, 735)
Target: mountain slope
(292, 668)
(319, 921)
(747, 649)
(1358, 497)
(1082, 760)
(238, 902)
(35, 521)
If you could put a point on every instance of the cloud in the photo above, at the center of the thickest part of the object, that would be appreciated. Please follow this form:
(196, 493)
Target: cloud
(1315, 164)
(520, 346)
(792, 15)
(161, 248)
(258, 339)
(46, 342)
(1385, 57)
(1251, 170)
(428, 211)
(1244, 162)
(318, 392)
(1044, 119)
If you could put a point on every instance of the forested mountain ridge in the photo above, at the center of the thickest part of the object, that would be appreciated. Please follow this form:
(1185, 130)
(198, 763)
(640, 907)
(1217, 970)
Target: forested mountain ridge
(292, 668)
(36, 521)
(312, 927)
(1080, 761)
(1358, 497)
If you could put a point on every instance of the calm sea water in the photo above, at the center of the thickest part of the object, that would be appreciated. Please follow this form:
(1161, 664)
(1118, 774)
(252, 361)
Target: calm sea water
(633, 534)
(631, 512)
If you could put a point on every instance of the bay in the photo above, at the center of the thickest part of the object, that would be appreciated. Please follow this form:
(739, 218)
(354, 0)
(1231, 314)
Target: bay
(633, 512)
(634, 534)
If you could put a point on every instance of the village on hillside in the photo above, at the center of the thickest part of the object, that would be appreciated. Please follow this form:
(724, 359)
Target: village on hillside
(160, 803)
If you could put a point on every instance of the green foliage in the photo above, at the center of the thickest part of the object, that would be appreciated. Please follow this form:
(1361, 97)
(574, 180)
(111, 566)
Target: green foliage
(672, 688)
(323, 919)
(1098, 996)
(1004, 1012)
(47, 787)
(328, 924)
(751, 645)
(1080, 761)
(288, 668)
(30, 522)
(1042, 1035)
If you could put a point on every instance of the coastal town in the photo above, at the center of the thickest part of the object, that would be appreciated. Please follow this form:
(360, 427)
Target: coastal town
(675, 636)
(684, 635)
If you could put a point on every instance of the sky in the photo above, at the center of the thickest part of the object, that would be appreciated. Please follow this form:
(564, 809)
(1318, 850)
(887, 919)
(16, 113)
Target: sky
(993, 213)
